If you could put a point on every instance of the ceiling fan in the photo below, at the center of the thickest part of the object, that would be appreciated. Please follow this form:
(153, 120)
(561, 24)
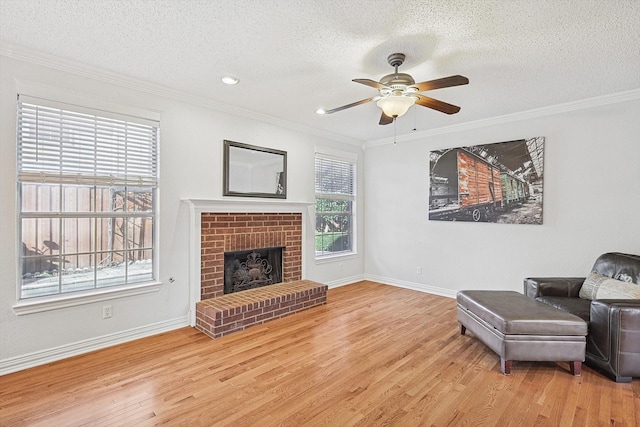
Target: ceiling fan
(399, 91)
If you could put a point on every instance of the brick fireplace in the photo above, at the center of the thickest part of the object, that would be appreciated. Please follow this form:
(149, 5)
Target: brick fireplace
(216, 226)
(239, 231)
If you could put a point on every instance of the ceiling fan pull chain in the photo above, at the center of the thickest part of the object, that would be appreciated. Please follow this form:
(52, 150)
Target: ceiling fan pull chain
(394, 131)
(415, 120)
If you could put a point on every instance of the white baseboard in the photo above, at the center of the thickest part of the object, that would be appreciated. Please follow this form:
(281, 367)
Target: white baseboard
(18, 363)
(345, 281)
(449, 293)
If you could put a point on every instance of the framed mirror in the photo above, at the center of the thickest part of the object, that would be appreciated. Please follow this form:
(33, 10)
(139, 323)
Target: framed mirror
(251, 171)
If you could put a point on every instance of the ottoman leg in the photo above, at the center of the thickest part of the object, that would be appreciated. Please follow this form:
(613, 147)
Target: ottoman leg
(576, 367)
(463, 329)
(505, 366)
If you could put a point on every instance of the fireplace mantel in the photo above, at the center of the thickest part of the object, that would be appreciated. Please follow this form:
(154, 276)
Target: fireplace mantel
(244, 205)
(199, 206)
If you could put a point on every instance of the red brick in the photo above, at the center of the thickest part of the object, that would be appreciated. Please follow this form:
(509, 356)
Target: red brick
(280, 312)
(252, 313)
(265, 316)
(247, 322)
(231, 319)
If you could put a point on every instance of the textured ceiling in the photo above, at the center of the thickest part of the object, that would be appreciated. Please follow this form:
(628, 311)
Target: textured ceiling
(293, 57)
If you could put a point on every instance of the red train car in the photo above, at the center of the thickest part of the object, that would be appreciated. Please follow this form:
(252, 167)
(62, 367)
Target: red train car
(466, 187)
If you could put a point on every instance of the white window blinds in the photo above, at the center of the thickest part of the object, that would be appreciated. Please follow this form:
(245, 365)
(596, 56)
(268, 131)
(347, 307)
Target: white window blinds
(57, 144)
(334, 177)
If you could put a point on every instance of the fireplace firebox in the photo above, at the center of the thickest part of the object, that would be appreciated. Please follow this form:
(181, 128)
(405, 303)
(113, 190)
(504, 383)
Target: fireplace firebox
(251, 269)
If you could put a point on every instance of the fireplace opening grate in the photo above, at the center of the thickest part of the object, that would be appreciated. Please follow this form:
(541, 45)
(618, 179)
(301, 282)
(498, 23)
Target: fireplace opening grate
(251, 269)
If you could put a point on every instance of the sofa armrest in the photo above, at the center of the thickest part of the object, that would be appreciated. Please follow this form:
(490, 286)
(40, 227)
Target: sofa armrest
(552, 286)
(614, 331)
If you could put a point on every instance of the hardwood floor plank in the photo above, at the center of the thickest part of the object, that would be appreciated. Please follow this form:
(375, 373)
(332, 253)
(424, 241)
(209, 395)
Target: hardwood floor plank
(373, 355)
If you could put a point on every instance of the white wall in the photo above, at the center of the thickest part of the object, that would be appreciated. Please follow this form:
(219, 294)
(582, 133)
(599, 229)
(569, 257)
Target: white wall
(191, 139)
(591, 205)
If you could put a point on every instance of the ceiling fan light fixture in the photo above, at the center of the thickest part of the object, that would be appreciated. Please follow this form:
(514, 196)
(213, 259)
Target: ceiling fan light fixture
(396, 105)
(399, 91)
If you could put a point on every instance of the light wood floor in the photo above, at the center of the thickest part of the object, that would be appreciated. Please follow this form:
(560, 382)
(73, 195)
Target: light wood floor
(374, 355)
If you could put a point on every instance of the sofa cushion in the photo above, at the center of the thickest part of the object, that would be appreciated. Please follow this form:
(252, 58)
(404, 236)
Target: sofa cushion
(597, 286)
(625, 267)
(577, 306)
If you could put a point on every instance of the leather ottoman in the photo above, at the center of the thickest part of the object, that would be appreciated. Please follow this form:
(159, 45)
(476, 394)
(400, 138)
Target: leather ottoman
(520, 328)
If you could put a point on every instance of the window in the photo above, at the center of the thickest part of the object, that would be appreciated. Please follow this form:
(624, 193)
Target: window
(87, 183)
(335, 205)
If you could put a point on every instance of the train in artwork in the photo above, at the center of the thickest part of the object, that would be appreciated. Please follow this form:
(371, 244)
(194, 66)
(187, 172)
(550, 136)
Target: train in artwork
(487, 183)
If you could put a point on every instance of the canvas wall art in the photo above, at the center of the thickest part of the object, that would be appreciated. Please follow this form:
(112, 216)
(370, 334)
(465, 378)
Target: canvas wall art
(499, 182)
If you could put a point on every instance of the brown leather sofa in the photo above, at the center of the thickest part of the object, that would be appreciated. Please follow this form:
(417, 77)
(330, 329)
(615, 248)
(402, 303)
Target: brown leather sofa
(613, 341)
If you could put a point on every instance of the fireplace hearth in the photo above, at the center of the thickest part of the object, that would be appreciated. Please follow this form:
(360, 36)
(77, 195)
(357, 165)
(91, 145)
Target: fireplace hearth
(252, 269)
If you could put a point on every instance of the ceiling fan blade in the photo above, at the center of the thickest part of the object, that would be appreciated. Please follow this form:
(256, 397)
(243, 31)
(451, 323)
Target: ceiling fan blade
(437, 105)
(369, 82)
(353, 104)
(385, 120)
(441, 83)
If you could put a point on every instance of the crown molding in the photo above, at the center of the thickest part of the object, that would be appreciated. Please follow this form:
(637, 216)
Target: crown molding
(598, 101)
(62, 64)
(55, 62)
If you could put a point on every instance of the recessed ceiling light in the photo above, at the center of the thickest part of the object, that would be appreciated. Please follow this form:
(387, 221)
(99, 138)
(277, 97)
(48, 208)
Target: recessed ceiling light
(230, 80)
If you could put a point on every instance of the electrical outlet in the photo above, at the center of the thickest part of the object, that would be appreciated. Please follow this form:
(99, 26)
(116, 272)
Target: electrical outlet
(419, 270)
(106, 312)
(339, 266)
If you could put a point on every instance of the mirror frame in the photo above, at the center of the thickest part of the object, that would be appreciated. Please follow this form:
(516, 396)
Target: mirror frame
(227, 177)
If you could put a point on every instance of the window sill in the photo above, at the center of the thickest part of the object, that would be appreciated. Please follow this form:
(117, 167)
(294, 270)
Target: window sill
(322, 259)
(38, 305)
